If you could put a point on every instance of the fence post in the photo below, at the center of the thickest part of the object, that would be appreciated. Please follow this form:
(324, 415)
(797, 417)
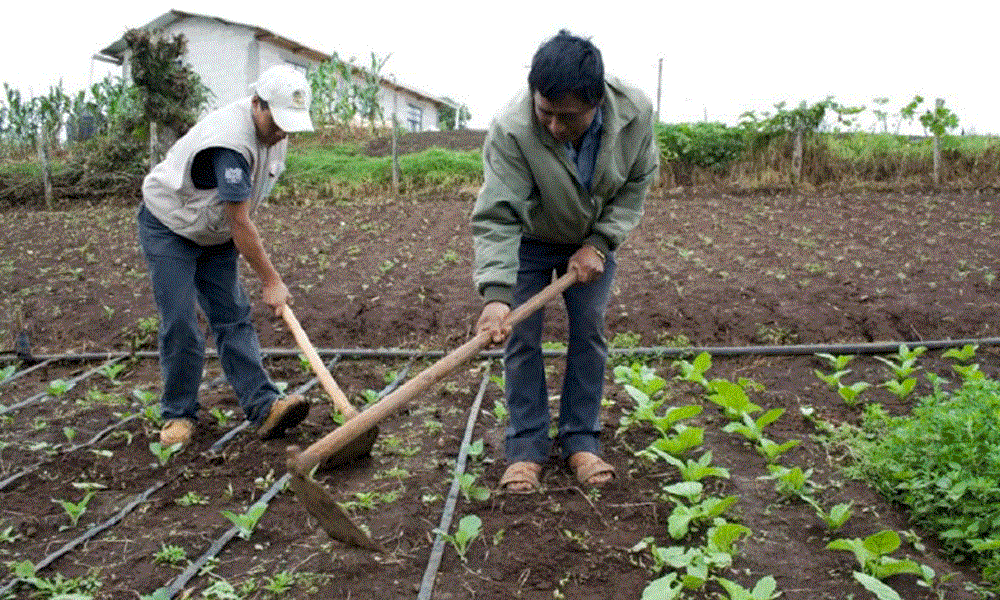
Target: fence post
(938, 104)
(43, 157)
(797, 156)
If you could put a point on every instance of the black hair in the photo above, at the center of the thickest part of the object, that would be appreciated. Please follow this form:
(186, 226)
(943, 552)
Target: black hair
(567, 64)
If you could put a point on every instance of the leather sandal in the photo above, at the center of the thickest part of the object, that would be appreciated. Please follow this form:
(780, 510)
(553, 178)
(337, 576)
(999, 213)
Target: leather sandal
(521, 478)
(591, 469)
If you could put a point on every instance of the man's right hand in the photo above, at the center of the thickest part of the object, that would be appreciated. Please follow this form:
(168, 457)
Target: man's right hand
(492, 319)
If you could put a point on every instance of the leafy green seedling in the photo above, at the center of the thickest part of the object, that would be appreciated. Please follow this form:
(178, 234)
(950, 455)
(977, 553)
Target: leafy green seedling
(838, 362)
(221, 416)
(7, 535)
(246, 522)
(832, 379)
(70, 433)
(500, 411)
(851, 393)
(902, 388)
(763, 590)
(789, 481)
(771, 450)
(753, 429)
(872, 554)
(471, 491)
(641, 377)
(695, 470)
(6, 372)
(468, 530)
(695, 370)
(112, 371)
(280, 583)
(969, 372)
(170, 554)
(837, 515)
(664, 588)
(731, 397)
(684, 515)
(191, 498)
(964, 354)
(881, 590)
(163, 453)
(678, 444)
(58, 387)
(75, 511)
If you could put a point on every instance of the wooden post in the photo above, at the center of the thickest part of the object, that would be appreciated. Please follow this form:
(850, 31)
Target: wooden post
(43, 157)
(938, 104)
(797, 156)
(395, 157)
(659, 82)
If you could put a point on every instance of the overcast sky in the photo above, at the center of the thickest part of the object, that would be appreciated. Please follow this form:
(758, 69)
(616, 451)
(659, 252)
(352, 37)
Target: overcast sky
(719, 58)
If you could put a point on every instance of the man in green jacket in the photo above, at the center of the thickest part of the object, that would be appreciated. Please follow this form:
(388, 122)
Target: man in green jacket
(567, 164)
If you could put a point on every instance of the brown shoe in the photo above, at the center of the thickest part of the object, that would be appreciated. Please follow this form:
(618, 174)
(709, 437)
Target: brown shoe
(285, 412)
(176, 431)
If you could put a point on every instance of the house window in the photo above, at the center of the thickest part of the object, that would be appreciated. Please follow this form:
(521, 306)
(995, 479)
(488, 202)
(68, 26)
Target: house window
(414, 117)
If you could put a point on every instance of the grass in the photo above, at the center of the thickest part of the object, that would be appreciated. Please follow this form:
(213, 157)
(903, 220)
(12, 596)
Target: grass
(343, 170)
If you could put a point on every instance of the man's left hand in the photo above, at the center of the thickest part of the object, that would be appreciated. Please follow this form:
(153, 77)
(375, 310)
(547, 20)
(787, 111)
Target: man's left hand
(588, 264)
(276, 295)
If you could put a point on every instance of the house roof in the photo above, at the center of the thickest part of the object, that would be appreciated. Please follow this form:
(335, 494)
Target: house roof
(115, 52)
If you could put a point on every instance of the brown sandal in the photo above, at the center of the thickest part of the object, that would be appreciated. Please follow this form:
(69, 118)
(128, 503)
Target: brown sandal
(590, 469)
(521, 478)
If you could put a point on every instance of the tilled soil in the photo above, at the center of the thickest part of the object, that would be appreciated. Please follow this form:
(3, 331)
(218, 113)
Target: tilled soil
(703, 269)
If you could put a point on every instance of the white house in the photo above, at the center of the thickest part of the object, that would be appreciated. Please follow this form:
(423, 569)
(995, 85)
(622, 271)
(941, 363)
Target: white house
(229, 56)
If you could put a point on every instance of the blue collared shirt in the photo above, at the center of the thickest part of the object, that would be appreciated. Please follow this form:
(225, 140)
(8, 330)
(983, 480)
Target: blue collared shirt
(586, 158)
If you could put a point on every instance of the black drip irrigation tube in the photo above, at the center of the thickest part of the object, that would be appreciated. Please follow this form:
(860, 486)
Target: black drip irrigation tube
(72, 383)
(833, 348)
(434, 562)
(93, 531)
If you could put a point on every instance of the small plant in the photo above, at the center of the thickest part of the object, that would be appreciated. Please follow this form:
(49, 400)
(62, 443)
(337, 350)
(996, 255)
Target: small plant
(58, 387)
(695, 370)
(500, 410)
(964, 354)
(7, 535)
(696, 470)
(678, 444)
(903, 363)
(835, 517)
(731, 397)
(789, 481)
(280, 583)
(70, 433)
(771, 450)
(471, 491)
(163, 453)
(246, 522)
(872, 554)
(75, 511)
(221, 416)
(753, 429)
(111, 371)
(851, 393)
(171, 555)
(191, 498)
(902, 388)
(468, 530)
(763, 590)
(838, 362)
(6, 372)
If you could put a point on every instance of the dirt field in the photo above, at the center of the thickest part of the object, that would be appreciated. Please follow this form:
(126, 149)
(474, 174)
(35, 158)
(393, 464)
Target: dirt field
(704, 269)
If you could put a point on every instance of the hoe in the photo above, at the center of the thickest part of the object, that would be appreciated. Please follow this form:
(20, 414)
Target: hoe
(356, 434)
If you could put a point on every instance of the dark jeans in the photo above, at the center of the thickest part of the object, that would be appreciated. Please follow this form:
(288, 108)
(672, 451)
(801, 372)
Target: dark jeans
(182, 271)
(583, 384)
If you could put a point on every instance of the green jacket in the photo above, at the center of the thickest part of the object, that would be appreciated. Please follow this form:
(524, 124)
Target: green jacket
(531, 188)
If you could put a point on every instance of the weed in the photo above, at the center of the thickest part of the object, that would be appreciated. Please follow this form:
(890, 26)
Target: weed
(171, 555)
(191, 498)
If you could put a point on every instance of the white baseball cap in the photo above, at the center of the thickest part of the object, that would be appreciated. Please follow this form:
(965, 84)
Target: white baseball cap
(288, 95)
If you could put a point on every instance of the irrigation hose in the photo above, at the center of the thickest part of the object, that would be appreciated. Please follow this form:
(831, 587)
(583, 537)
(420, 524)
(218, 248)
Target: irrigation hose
(434, 562)
(839, 348)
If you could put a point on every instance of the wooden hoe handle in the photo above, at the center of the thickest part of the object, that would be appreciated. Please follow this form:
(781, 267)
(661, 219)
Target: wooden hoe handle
(322, 373)
(312, 456)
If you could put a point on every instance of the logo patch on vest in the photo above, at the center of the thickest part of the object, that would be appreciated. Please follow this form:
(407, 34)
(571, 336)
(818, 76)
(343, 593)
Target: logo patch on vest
(298, 99)
(234, 175)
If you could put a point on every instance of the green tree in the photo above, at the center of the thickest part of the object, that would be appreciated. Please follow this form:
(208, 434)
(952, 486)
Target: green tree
(447, 115)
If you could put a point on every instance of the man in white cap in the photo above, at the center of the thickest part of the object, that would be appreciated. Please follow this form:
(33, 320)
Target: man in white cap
(195, 220)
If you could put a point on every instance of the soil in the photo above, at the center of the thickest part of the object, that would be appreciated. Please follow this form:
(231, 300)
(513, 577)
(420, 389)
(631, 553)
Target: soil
(704, 269)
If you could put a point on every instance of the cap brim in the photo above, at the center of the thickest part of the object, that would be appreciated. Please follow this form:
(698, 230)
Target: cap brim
(291, 120)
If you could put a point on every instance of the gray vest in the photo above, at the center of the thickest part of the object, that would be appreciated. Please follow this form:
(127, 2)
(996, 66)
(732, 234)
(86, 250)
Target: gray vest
(169, 193)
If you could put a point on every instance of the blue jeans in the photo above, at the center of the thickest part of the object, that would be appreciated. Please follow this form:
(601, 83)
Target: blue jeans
(527, 435)
(182, 271)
